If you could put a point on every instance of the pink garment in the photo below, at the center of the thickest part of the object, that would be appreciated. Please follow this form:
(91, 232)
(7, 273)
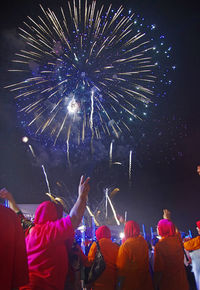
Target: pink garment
(46, 248)
(103, 232)
(13, 258)
(198, 224)
(166, 228)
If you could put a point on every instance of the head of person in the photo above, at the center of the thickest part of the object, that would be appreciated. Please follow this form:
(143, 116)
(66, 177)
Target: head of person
(48, 211)
(131, 230)
(198, 227)
(166, 228)
(103, 232)
(198, 169)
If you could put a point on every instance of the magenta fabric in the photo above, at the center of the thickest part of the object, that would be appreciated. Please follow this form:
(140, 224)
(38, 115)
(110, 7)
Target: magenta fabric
(166, 228)
(13, 258)
(103, 232)
(198, 224)
(46, 248)
(131, 230)
(47, 211)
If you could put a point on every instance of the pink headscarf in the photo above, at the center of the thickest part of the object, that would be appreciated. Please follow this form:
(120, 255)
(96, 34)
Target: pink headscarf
(131, 230)
(198, 224)
(48, 211)
(166, 228)
(103, 232)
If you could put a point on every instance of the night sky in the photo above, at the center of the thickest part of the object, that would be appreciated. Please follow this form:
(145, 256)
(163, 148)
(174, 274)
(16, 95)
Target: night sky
(165, 145)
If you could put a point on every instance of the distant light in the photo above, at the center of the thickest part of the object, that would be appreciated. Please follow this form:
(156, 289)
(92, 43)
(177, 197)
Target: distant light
(82, 228)
(25, 139)
(121, 235)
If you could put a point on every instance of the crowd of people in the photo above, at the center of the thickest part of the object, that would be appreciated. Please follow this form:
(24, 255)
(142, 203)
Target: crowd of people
(43, 254)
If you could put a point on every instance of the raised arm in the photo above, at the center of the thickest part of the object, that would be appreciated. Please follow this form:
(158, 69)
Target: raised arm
(78, 209)
(25, 223)
(5, 194)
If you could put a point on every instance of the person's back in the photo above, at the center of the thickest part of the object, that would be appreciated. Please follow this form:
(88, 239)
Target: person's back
(133, 264)
(109, 250)
(13, 265)
(46, 249)
(169, 259)
(133, 260)
(47, 241)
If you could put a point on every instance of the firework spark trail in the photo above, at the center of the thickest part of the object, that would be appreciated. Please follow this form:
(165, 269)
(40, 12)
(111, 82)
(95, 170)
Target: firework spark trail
(32, 151)
(46, 179)
(92, 215)
(130, 165)
(111, 149)
(106, 203)
(125, 216)
(84, 48)
(113, 210)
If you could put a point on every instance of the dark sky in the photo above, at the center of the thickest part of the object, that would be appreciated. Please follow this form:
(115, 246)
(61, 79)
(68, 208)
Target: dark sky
(164, 161)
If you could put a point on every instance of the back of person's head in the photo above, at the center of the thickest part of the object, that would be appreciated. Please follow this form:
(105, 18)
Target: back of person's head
(131, 230)
(48, 211)
(166, 228)
(103, 232)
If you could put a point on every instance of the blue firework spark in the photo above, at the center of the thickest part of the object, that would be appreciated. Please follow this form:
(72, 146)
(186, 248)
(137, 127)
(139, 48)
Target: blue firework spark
(87, 72)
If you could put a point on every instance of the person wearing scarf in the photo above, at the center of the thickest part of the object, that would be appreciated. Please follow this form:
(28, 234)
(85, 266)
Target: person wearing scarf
(109, 250)
(133, 260)
(169, 270)
(47, 239)
(13, 257)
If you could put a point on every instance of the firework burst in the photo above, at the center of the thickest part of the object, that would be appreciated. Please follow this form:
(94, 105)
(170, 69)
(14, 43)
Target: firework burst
(87, 72)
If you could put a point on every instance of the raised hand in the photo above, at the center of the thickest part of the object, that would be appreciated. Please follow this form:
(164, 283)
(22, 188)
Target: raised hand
(5, 194)
(84, 187)
(166, 214)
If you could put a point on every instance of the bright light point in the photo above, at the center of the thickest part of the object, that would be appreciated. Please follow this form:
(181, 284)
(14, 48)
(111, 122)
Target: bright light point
(73, 107)
(25, 139)
(135, 22)
(121, 235)
(144, 114)
(82, 228)
(75, 57)
(130, 119)
(153, 26)
(173, 67)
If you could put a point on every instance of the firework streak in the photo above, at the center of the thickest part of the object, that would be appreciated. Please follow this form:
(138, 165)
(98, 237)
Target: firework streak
(87, 72)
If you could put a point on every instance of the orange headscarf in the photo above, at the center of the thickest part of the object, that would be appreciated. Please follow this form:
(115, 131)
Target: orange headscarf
(166, 228)
(103, 232)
